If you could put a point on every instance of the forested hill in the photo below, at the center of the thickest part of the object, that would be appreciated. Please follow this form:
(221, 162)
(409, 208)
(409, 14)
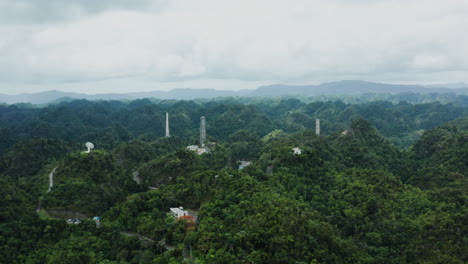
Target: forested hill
(383, 182)
(109, 123)
(340, 89)
(350, 87)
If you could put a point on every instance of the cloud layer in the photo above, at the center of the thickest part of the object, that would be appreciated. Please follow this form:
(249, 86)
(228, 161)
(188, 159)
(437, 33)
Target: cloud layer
(302, 41)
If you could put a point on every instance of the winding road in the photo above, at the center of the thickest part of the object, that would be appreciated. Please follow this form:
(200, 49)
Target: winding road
(140, 237)
(51, 179)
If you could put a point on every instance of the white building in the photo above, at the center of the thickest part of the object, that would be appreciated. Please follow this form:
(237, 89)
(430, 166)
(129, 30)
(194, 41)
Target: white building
(178, 212)
(297, 151)
(198, 150)
(193, 147)
(202, 150)
(243, 164)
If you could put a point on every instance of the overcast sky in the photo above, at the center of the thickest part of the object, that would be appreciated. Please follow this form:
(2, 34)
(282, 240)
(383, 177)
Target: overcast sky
(100, 46)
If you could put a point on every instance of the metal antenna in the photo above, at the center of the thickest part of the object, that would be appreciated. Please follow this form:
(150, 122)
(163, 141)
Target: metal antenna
(317, 126)
(202, 131)
(167, 124)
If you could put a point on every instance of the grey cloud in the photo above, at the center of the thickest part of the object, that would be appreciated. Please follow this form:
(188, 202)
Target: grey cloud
(43, 11)
(252, 41)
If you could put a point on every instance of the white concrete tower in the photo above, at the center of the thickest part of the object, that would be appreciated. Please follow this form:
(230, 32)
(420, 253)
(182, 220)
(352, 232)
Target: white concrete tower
(167, 124)
(202, 131)
(317, 126)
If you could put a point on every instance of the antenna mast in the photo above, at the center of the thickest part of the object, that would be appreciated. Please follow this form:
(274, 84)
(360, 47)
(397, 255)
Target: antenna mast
(202, 131)
(167, 124)
(317, 126)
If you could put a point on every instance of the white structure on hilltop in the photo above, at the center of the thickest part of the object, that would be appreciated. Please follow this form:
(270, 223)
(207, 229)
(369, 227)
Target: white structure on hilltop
(296, 151)
(197, 149)
(90, 146)
(167, 124)
(200, 149)
(317, 126)
(193, 147)
(178, 212)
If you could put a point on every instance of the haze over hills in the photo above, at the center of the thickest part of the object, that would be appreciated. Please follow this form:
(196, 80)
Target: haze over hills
(448, 85)
(347, 87)
(179, 94)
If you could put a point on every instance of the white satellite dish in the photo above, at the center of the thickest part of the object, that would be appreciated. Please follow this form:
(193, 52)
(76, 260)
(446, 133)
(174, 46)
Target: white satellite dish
(90, 146)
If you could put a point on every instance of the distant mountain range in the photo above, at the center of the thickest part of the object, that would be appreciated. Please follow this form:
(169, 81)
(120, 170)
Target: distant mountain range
(330, 88)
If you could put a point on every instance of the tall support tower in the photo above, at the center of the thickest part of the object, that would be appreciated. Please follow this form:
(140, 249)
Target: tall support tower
(202, 131)
(167, 124)
(317, 126)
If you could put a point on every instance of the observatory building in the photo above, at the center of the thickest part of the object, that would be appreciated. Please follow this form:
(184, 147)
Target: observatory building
(197, 149)
(90, 146)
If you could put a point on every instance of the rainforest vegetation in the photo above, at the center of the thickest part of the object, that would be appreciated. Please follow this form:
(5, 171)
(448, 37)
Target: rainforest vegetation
(384, 182)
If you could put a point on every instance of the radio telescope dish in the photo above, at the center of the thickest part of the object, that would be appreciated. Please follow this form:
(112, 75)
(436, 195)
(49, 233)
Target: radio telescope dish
(90, 146)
